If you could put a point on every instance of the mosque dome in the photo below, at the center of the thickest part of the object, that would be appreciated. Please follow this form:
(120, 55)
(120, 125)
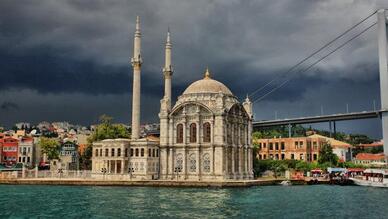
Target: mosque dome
(207, 85)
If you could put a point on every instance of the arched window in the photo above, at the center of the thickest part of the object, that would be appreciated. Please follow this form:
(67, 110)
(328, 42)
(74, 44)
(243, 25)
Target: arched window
(179, 133)
(193, 133)
(206, 132)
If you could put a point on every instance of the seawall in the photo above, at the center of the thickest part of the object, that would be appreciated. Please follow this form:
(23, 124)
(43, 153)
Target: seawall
(150, 183)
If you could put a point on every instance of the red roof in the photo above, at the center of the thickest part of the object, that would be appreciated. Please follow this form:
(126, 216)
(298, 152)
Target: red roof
(366, 156)
(374, 144)
(24, 139)
(316, 170)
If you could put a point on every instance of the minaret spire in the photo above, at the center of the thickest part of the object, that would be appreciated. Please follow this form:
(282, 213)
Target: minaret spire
(168, 70)
(136, 64)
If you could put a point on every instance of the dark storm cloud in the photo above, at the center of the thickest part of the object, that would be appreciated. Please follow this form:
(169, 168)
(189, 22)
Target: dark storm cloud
(8, 105)
(45, 72)
(83, 48)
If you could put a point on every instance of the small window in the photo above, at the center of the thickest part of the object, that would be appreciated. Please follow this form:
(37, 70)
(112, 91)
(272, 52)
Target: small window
(193, 133)
(118, 152)
(112, 152)
(100, 152)
(282, 146)
(131, 152)
(206, 132)
(137, 152)
(283, 156)
(106, 152)
(271, 146)
(142, 152)
(126, 152)
(276, 146)
(153, 152)
(179, 133)
(96, 153)
(157, 152)
(149, 152)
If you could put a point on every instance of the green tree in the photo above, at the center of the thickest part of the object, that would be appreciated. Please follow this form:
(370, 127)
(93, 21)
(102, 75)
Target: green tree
(50, 146)
(326, 155)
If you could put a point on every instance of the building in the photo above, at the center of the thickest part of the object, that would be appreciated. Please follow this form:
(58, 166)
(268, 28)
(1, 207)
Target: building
(298, 148)
(26, 151)
(342, 149)
(68, 157)
(206, 135)
(19, 134)
(2, 136)
(369, 159)
(23, 125)
(301, 148)
(10, 151)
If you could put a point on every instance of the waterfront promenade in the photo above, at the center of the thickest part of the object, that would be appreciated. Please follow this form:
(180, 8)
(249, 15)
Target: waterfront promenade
(87, 178)
(151, 183)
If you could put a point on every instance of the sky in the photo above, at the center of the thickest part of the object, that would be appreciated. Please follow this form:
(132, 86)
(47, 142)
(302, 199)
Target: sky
(69, 60)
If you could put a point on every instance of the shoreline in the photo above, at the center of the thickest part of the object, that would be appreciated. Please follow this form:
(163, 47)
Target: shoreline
(149, 183)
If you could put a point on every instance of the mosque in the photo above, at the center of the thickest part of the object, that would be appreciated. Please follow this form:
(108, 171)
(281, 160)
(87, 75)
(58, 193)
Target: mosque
(205, 135)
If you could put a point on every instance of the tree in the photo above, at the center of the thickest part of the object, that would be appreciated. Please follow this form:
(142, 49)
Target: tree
(326, 155)
(50, 146)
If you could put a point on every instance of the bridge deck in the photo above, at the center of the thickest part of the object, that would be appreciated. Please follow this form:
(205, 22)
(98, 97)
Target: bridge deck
(319, 119)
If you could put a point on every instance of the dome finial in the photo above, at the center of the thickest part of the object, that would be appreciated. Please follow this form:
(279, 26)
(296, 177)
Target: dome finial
(207, 73)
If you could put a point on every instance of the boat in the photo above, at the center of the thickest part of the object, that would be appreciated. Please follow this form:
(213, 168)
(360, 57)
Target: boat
(286, 183)
(373, 178)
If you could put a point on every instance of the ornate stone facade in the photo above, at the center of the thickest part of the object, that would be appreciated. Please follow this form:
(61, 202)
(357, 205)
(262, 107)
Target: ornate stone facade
(138, 159)
(206, 135)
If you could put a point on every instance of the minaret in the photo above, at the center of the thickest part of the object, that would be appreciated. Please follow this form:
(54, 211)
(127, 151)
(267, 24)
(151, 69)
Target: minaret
(167, 71)
(136, 63)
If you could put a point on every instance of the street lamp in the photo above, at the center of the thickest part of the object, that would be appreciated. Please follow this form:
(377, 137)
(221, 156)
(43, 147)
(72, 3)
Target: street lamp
(177, 170)
(130, 171)
(60, 171)
(103, 171)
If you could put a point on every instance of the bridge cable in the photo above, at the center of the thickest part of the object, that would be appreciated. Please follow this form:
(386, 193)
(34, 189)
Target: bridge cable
(312, 54)
(310, 66)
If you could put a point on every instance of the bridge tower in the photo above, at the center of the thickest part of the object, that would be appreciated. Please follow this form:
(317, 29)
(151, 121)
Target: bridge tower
(383, 62)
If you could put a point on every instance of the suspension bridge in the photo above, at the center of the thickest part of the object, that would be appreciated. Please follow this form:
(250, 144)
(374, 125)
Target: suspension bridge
(300, 67)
